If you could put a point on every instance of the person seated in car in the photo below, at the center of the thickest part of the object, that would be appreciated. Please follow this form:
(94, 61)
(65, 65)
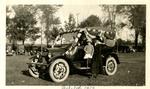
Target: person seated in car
(109, 38)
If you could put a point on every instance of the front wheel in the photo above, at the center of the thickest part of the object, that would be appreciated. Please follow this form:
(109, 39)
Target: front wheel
(59, 70)
(33, 71)
(110, 66)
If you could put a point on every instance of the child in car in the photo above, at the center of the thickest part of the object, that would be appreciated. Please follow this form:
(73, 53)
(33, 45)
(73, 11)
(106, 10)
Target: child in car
(89, 50)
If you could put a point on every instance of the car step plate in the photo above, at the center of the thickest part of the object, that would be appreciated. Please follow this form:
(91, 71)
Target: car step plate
(83, 68)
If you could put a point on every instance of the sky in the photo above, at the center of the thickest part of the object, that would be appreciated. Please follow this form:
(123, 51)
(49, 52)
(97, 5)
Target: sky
(80, 11)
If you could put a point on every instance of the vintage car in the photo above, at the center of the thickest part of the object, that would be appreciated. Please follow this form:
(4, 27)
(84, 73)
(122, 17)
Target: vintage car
(21, 50)
(59, 61)
(9, 50)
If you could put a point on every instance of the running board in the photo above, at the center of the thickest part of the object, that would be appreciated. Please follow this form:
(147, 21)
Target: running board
(38, 64)
(83, 68)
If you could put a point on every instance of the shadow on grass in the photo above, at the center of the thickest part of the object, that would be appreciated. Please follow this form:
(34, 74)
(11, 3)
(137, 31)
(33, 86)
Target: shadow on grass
(84, 73)
(44, 76)
(26, 72)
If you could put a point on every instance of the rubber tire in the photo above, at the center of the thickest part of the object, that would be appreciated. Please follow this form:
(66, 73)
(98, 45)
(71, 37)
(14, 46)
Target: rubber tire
(33, 74)
(110, 58)
(51, 70)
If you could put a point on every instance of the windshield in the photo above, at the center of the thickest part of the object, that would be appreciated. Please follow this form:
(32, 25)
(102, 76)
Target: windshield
(66, 38)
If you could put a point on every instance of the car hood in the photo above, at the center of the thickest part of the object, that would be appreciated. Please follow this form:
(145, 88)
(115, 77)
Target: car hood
(58, 50)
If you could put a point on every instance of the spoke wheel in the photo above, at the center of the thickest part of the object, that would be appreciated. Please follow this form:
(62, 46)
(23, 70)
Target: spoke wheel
(111, 66)
(59, 70)
(33, 71)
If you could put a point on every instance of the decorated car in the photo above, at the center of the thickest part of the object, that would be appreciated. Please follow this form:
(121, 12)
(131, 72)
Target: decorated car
(60, 60)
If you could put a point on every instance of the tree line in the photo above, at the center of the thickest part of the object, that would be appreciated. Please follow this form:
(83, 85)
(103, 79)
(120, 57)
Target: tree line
(23, 25)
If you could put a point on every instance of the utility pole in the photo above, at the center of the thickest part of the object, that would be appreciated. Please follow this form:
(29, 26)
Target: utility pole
(77, 18)
(41, 30)
(41, 39)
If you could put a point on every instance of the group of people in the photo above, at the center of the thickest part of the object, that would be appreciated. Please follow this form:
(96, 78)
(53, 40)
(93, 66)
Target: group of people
(92, 51)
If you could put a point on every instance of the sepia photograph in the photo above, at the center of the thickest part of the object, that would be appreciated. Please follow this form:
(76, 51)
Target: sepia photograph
(76, 45)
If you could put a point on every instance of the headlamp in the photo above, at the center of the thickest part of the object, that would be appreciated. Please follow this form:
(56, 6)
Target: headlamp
(37, 55)
(35, 60)
(49, 55)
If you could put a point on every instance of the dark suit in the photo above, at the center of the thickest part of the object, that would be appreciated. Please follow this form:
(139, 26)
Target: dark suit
(97, 60)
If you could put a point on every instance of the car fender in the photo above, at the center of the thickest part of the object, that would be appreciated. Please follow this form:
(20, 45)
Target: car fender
(59, 56)
(111, 54)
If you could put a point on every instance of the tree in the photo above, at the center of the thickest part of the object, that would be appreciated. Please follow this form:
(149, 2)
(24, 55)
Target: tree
(49, 19)
(136, 14)
(91, 21)
(11, 32)
(111, 13)
(54, 33)
(138, 20)
(71, 24)
(22, 26)
(137, 17)
(34, 38)
(10, 27)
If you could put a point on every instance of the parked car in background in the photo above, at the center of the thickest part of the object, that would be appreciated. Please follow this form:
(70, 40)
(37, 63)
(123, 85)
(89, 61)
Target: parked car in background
(21, 50)
(9, 50)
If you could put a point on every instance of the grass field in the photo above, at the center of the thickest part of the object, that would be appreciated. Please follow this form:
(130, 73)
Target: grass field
(131, 72)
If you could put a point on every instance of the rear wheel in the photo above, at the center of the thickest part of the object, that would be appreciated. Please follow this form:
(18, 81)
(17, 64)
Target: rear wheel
(110, 66)
(59, 70)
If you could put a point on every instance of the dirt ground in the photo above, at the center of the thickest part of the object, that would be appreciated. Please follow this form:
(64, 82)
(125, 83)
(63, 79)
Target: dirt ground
(131, 72)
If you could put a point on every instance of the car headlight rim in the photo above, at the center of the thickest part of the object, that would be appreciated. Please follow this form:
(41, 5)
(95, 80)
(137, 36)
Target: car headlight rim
(38, 55)
(49, 55)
